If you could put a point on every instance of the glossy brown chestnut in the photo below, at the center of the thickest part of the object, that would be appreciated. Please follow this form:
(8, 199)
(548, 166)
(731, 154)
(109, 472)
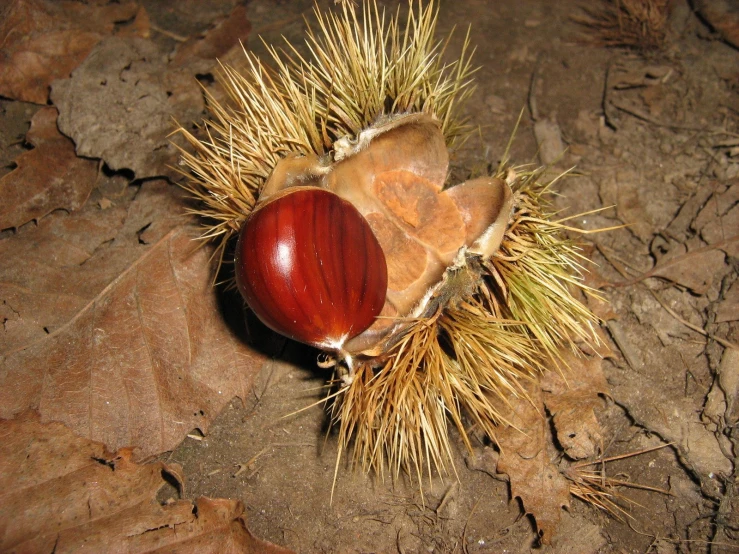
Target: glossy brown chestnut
(310, 267)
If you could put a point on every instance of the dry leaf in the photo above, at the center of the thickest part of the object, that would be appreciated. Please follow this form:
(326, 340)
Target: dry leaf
(525, 458)
(139, 27)
(62, 493)
(641, 208)
(571, 398)
(147, 360)
(47, 178)
(723, 16)
(549, 141)
(694, 270)
(593, 279)
(654, 397)
(623, 189)
(66, 260)
(44, 40)
(728, 308)
(233, 31)
(119, 105)
(719, 218)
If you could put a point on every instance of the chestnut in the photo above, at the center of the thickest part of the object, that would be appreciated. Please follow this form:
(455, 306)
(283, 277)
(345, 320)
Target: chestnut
(310, 267)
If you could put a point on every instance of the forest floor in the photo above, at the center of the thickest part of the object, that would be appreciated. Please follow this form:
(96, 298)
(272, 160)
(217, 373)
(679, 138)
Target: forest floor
(653, 136)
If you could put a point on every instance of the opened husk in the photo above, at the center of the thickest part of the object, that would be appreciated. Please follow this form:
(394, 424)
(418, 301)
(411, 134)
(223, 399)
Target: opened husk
(480, 278)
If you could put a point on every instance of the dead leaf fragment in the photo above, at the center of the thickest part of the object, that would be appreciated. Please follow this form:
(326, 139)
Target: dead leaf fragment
(694, 270)
(47, 178)
(549, 140)
(728, 308)
(44, 40)
(572, 398)
(525, 458)
(231, 32)
(63, 494)
(148, 359)
(718, 221)
(53, 270)
(120, 103)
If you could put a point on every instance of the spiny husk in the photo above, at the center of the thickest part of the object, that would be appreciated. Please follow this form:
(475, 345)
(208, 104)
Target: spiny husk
(360, 69)
(514, 313)
(499, 322)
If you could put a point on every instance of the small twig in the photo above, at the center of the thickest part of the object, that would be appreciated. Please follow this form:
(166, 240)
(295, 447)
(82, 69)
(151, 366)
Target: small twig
(466, 524)
(533, 109)
(644, 117)
(166, 33)
(622, 456)
(448, 495)
(242, 467)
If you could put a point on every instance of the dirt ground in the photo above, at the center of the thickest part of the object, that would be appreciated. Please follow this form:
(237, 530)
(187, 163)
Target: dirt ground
(653, 134)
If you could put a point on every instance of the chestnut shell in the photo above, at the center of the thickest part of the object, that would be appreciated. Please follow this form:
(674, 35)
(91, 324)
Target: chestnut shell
(310, 267)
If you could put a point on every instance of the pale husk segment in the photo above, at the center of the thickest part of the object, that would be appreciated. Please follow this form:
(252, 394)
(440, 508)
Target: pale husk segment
(514, 314)
(360, 68)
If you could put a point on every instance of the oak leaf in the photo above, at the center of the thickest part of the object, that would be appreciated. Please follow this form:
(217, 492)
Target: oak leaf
(47, 178)
(571, 397)
(51, 271)
(694, 270)
(62, 493)
(231, 32)
(44, 40)
(718, 221)
(120, 103)
(146, 361)
(525, 457)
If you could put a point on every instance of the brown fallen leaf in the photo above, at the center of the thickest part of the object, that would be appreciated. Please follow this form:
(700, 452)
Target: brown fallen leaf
(694, 270)
(146, 361)
(61, 493)
(686, 268)
(53, 270)
(718, 221)
(571, 398)
(593, 279)
(232, 31)
(728, 308)
(139, 27)
(623, 188)
(47, 178)
(45, 40)
(525, 457)
(120, 104)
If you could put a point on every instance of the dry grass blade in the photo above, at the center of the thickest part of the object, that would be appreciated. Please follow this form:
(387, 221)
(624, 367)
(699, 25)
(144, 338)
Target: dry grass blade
(639, 24)
(600, 490)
